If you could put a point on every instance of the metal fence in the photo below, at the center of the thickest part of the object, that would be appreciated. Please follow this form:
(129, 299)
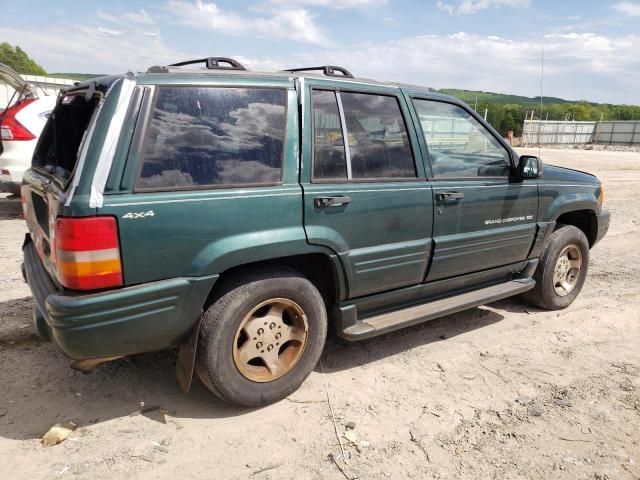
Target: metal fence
(446, 132)
(617, 133)
(549, 132)
(552, 132)
(44, 86)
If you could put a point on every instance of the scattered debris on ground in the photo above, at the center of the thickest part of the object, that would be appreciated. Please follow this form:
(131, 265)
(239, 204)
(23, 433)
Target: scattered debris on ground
(58, 433)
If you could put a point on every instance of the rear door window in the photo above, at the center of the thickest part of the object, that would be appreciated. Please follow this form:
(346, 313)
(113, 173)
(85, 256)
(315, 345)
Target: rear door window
(207, 137)
(377, 146)
(378, 142)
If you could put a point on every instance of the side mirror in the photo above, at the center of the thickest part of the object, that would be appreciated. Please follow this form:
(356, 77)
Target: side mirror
(529, 167)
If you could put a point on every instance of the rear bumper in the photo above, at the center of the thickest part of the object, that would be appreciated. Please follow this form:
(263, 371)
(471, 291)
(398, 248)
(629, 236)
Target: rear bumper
(124, 321)
(604, 218)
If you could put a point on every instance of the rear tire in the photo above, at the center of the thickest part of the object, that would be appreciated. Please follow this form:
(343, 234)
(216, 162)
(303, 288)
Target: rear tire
(262, 337)
(562, 269)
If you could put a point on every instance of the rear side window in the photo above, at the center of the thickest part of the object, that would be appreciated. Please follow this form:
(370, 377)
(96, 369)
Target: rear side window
(377, 139)
(328, 142)
(206, 136)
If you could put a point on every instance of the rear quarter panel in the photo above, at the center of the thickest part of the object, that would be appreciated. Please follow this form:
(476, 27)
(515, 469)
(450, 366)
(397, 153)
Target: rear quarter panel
(166, 235)
(202, 232)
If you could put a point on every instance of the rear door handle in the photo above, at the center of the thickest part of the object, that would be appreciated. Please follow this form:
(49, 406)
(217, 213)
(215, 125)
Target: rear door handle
(450, 196)
(323, 202)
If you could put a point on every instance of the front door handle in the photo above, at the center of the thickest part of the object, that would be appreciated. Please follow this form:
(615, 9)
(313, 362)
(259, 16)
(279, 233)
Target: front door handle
(323, 202)
(450, 196)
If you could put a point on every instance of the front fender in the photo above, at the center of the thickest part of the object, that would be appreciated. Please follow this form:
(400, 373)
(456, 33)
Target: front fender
(556, 201)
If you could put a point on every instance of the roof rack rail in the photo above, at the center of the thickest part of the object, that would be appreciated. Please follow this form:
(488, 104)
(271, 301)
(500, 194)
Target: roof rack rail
(328, 70)
(211, 63)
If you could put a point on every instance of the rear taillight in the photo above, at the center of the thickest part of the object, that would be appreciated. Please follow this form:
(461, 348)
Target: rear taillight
(11, 128)
(88, 253)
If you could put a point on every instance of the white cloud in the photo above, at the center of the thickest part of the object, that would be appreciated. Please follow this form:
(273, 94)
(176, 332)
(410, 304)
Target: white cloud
(72, 48)
(577, 65)
(109, 31)
(262, 64)
(126, 22)
(590, 66)
(289, 24)
(141, 17)
(467, 7)
(334, 4)
(628, 8)
(102, 15)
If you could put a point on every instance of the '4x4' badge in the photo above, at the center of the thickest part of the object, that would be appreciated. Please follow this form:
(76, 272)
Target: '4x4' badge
(134, 215)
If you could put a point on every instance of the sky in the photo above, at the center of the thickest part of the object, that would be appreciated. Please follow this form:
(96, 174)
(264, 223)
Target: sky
(591, 48)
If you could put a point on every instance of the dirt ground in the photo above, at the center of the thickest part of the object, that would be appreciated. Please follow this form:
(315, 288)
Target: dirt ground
(504, 391)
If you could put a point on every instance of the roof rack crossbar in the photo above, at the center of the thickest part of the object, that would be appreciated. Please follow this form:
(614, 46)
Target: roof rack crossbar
(213, 63)
(328, 70)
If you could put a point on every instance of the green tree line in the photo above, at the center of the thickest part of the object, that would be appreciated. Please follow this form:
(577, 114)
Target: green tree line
(18, 59)
(507, 112)
(511, 117)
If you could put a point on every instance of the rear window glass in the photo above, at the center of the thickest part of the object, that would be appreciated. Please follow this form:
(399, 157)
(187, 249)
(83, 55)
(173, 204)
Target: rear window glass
(209, 136)
(57, 149)
(379, 146)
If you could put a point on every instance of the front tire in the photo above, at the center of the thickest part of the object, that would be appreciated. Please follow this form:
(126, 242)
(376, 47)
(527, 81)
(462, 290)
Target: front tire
(262, 337)
(562, 269)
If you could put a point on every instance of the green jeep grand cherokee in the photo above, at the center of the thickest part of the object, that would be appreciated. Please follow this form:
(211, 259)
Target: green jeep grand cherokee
(238, 215)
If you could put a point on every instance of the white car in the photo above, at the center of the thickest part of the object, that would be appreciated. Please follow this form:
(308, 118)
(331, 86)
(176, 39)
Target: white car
(20, 126)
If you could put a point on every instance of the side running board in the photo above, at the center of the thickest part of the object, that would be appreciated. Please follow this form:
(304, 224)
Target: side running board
(387, 322)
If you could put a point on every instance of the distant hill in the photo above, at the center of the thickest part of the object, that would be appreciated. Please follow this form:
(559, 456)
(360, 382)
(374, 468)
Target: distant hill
(469, 96)
(76, 76)
(507, 112)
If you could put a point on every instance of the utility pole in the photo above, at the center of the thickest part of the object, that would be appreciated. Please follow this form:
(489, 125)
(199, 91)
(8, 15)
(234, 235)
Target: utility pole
(541, 91)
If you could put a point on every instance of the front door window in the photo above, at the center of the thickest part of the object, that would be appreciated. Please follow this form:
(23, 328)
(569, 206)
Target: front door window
(459, 146)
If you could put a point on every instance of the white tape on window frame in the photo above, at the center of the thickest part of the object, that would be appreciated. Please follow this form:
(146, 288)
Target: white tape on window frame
(105, 160)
